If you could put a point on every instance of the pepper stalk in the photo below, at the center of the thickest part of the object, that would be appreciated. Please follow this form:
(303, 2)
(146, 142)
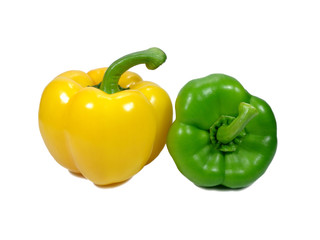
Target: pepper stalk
(152, 57)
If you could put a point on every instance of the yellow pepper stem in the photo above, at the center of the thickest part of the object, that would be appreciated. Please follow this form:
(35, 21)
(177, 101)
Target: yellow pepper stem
(152, 57)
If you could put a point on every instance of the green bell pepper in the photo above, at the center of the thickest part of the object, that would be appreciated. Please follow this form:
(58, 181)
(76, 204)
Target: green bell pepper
(222, 135)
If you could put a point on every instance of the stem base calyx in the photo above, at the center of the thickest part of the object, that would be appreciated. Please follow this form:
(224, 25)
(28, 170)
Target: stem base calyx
(227, 132)
(225, 147)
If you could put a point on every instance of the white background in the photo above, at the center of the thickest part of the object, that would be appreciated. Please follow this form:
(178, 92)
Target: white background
(271, 47)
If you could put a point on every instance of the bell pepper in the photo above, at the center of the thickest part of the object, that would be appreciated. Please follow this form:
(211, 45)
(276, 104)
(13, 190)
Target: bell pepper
(222, 135)
(106, 124)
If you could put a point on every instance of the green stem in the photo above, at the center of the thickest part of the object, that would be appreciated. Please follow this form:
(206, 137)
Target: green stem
(247, 112)
(152, 57)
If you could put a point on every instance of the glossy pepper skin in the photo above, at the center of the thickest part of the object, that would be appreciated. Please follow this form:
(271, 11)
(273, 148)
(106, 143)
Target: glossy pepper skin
(222, 135)
(105, 131)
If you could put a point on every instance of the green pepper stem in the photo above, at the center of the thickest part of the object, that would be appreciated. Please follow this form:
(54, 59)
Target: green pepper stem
(152, 57)
(247, 112)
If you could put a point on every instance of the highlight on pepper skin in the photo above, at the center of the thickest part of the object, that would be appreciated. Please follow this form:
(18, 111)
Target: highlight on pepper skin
(104, 126)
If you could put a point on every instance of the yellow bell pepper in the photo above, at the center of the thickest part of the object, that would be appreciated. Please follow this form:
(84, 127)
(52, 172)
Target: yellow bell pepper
(106, 124)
